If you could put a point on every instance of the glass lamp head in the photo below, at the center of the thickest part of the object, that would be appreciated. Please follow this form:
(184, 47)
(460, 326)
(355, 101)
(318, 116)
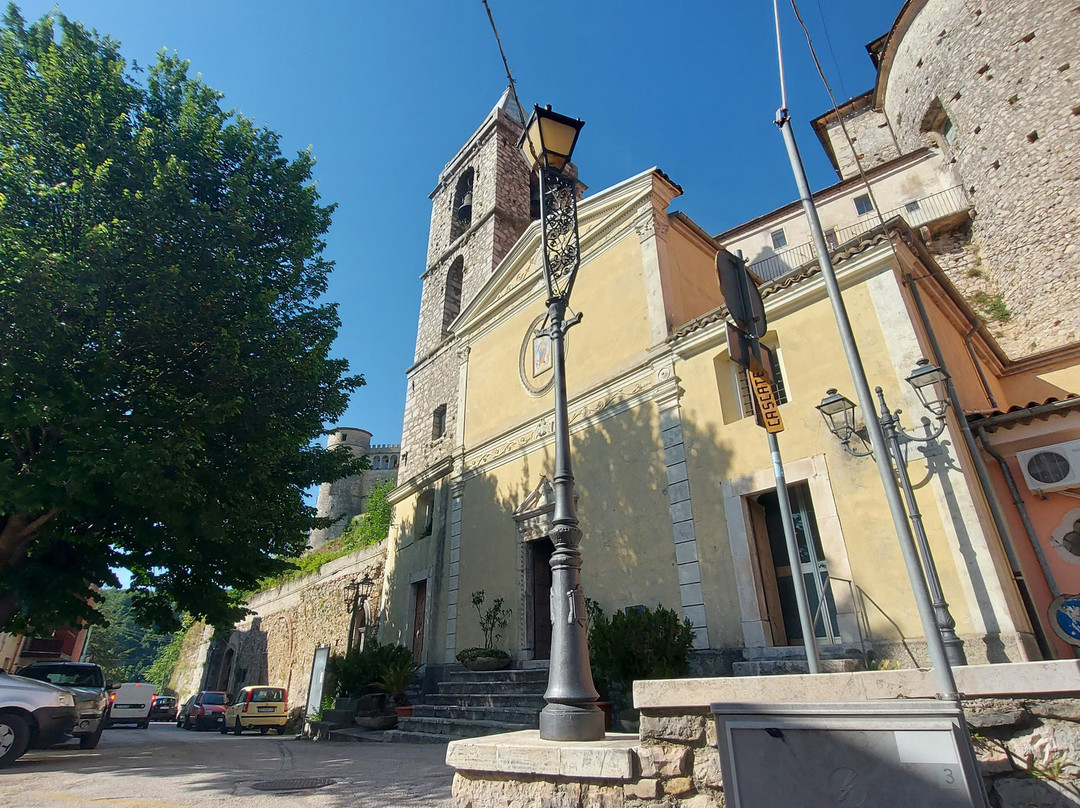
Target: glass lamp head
(924, 380)
(839, 414)
(549, 138)
(366, 586)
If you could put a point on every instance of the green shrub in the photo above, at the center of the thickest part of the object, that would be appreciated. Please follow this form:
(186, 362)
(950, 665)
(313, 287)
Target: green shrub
(372, 526)
(359, 673)
(637, 644)
(397, 675)
(471, 654)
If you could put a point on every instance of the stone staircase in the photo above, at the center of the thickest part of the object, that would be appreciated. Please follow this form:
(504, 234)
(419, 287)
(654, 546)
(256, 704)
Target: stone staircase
(468, 704)
(786, 659)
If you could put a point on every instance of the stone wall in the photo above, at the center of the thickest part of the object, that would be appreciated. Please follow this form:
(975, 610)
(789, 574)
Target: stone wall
(343, 499)
(500, 214)
(276, 644)
(1027, 745)
(187, 676)
(1002, 73)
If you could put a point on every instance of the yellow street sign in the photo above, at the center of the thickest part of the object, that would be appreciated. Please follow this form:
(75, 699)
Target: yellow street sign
(766, 409)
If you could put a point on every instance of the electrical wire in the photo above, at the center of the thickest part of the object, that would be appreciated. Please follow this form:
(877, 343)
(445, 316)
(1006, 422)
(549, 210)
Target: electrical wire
(506, 65)
(840, 120)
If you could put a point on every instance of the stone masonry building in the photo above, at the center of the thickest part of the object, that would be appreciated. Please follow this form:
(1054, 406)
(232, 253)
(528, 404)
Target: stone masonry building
(347, 498)
(992, 86)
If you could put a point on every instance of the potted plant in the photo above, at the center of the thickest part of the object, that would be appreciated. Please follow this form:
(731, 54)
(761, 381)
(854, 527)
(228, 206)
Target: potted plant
(492, 621)
(398, 673)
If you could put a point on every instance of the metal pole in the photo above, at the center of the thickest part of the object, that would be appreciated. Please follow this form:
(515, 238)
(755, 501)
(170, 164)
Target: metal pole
(352, 622)
(954, 646)
(809, 636)
(571, 713)
(813, 661)
(936, 648)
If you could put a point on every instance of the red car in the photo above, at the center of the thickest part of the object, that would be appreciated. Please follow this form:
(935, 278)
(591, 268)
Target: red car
(206, 710)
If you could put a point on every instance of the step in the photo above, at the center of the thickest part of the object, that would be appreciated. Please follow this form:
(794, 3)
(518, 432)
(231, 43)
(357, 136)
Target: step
(799, 652)
(403, 736)
(338, 718)
(464, 688)
(501, 677)
(459, 729)
(506, 715)
(523, 700)
(780, 667)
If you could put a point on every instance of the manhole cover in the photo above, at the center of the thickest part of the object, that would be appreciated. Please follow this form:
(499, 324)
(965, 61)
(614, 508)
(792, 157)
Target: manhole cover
(293, 784)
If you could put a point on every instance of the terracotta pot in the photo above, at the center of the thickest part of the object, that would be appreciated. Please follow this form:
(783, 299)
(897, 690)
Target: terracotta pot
(404, 712)
(609, 712)
(487, 663)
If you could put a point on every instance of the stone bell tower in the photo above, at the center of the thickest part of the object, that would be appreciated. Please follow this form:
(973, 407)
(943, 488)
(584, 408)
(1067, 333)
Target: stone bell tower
(479, 209)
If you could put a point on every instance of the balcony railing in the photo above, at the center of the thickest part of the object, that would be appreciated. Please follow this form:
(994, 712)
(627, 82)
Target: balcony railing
(917, 212)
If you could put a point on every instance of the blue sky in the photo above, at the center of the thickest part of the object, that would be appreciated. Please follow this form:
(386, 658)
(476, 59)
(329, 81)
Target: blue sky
(386, 92)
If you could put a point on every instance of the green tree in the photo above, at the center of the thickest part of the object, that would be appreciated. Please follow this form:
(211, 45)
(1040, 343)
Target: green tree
(373, 525)
(164, 355)
(123, 647)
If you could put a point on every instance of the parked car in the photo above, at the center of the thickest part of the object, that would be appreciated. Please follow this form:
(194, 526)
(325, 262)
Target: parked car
(33, 715)
(130, 703)
(184, 709)
(163, 709)
(86, 681)
(206, 710)
(257, 707)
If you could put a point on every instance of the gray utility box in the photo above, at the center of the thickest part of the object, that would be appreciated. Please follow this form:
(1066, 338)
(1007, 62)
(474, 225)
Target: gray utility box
(896, 754)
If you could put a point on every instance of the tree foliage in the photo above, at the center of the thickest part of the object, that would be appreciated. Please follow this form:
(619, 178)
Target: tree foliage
(164, 355)
(123, 647)
(373, 525)
(637, 643)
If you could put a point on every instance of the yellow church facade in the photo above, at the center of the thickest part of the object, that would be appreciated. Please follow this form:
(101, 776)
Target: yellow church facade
(674, 478)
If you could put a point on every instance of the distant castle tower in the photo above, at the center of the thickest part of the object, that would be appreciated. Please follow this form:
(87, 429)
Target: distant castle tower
(348, 497)
(479, 209)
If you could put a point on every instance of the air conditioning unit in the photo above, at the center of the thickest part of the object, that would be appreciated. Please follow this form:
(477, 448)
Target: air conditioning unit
(1051, 468)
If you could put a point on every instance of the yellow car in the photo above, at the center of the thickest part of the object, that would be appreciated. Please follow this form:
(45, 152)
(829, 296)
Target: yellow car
(257, 707)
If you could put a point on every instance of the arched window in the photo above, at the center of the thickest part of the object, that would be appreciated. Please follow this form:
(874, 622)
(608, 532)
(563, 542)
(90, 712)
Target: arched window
(461, 213)
(385, 462)
(452, 295)
(937, 124)
(534, 197)
(393, 462)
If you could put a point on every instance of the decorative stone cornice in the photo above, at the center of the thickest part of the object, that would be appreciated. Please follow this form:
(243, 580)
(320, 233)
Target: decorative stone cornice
(424, 480)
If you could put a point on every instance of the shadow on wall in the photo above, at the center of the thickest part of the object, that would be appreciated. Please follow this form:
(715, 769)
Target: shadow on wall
(621, 469)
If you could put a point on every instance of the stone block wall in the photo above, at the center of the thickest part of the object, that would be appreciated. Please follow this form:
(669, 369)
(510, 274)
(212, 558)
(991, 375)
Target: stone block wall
(869, 129)
(276, 644)
(500, 214)
(431, 385)
(343, 499)
(1004, 75)
(1028, 752)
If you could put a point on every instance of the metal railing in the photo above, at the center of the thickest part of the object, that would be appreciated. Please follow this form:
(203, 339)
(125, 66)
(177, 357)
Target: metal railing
(916, 212)
(859, 598)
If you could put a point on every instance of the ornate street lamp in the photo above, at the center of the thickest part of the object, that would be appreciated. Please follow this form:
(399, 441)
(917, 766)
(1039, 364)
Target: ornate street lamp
(356, 592)
(571, 713)
(839, 415)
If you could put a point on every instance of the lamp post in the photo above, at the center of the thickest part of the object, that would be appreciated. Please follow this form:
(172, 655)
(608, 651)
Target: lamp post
(571, 713)
(356, 593)
(839, 414)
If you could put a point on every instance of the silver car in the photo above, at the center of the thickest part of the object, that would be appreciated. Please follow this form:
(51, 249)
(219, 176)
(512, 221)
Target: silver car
(86, 681)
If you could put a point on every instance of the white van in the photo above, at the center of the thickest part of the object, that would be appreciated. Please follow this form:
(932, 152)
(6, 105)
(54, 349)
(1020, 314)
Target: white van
(130, 703)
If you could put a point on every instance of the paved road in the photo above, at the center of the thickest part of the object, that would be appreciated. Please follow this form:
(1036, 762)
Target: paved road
(166, 767)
